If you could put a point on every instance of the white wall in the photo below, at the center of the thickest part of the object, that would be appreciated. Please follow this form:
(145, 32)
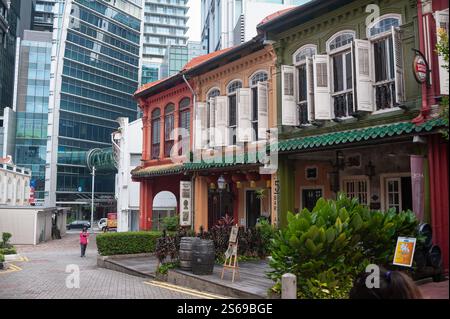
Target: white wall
(20, 223)
(127, 191)
(14, 185)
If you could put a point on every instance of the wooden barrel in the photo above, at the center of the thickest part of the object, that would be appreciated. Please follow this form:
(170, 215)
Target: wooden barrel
(434, 258)
(203, 256)
(186, 245)
(425, 230)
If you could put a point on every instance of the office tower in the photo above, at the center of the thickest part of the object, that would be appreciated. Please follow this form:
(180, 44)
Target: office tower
(226, 23)
(178, 55)
(94, 73)
(31, 105)
(164, 25)
(42, 16)
(9, 20)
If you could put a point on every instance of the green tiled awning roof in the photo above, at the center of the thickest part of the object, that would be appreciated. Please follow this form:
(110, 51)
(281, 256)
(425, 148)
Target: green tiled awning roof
(356, 135)
(300, 143)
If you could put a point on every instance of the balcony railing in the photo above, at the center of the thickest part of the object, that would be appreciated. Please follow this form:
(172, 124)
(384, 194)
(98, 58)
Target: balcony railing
(155, 151)
(168, 147)
(303, 113)
(343, 104)
(385, 95)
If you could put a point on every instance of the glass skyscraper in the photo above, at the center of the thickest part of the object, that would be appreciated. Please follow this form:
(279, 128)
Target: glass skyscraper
(165, 23)
(33, 81)
(94, 73)
(229, 23)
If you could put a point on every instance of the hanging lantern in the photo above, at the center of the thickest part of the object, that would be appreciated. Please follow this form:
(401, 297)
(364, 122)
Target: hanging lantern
(252, 177)
(238, 178)
(268, 179)
(212, 180)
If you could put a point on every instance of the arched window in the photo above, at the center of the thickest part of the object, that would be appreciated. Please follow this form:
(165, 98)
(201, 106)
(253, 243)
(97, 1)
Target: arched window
(340, 40)
(185, 117)
(302, 59)
(339, 48)
(156, 133)
(211, 113)
(232, 108)
(387, 58)
(306, 51)
(383, 25)
(258, 77)
(169, 126)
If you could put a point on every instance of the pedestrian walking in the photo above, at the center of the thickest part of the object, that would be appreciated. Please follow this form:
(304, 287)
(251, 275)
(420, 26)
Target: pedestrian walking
(84, 240)
(392, 285)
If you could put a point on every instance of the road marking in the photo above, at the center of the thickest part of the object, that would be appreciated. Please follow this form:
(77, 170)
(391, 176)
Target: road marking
(184, 290)
(11, 268)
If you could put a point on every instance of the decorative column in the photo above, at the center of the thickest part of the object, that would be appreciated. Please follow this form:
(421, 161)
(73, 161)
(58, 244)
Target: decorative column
(146, 205)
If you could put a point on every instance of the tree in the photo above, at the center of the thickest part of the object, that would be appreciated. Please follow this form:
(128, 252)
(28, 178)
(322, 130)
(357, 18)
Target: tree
(442, 50)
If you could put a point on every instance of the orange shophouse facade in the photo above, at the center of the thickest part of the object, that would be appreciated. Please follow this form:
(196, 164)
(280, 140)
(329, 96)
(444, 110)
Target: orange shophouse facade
(233, 92)
(237, 93)
(167, 107)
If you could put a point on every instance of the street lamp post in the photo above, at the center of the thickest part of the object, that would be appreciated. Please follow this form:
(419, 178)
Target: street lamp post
(92, 203)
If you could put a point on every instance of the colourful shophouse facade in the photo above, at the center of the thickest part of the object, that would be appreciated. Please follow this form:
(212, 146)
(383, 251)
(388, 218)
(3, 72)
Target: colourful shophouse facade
(232, 90)
(352, 117)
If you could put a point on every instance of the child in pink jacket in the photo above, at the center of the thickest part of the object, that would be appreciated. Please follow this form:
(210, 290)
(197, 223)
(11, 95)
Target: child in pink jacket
(84, 235)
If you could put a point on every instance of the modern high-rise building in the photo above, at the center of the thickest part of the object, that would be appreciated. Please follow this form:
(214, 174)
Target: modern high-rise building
(226, 23)
(9, 20)
(94, 73)
(178, 55)
(42, 16)
(165, 23)
(31, 105)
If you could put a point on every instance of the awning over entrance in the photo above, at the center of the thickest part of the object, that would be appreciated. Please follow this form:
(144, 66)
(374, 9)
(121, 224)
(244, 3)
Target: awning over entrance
(356, 135)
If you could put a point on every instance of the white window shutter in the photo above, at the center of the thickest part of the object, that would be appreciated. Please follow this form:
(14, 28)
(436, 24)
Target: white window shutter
(310, 88)
(212, 121)
(263, 110)
(442, 22)
(363, 76)
(221, 121)
(244, 112)
(398, 63)
(322, 97)
(200, 125)
(289, 114)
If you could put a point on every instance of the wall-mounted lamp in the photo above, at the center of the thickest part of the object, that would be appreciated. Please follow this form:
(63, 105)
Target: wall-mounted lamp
(370, 170)
(221, 183)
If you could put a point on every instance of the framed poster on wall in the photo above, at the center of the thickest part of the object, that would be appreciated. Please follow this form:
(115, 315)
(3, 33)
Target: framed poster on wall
(185, 203)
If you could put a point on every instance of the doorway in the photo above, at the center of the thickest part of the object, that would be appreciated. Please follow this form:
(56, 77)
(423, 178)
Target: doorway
(253, 208)
(310, 197)
(220, 203)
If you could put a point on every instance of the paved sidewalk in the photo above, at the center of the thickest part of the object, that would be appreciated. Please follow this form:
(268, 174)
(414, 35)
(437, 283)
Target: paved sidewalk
(435, 290)
(44, 276)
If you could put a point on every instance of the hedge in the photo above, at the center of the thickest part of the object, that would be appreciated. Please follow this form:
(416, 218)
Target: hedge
(2, 259)
(8, 251)
(109, 244)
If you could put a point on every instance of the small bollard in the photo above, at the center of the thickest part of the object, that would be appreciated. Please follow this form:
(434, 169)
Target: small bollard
(288, 286)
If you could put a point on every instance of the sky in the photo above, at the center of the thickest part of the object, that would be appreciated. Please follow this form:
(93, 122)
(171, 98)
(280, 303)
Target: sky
(194, 22)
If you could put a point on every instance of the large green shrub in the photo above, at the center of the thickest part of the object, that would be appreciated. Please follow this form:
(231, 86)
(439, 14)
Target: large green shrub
(2, 258)
(328, 247)
(127, 243)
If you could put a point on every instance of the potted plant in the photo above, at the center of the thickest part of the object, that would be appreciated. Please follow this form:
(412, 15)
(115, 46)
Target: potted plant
(261, 195)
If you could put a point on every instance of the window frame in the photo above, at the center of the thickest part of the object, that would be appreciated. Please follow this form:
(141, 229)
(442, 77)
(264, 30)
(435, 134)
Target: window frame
(253, 84)
(169, 115)
(299, 64)
(341, 51)
(383, 36)
(155, 119)
(355, 179)
(230, 94)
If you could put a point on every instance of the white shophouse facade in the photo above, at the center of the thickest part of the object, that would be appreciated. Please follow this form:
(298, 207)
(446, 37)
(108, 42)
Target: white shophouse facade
(14, 185)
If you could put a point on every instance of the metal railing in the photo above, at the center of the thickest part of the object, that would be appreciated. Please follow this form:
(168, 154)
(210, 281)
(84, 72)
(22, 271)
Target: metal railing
(385, 95)
(343, 104)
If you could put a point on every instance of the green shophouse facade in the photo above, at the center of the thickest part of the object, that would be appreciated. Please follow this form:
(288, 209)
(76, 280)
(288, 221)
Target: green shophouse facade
(346, 98)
